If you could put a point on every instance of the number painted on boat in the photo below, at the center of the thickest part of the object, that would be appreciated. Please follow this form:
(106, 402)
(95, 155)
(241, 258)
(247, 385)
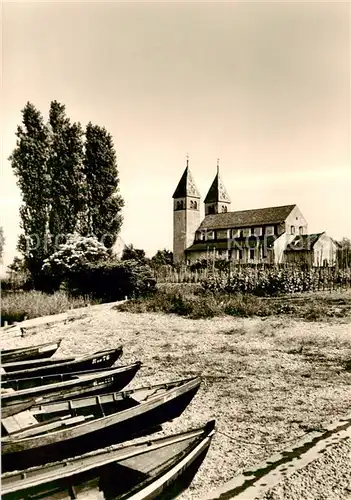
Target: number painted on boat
(100, 359)
(103, 381)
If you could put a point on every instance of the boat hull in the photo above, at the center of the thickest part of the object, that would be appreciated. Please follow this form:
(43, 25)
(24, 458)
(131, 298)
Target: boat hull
(30, 377)
(161, 468)
(28, 353)
(98, 382)
(100, 433)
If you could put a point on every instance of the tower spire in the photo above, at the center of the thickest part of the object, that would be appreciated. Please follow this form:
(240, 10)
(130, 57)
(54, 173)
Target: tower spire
(217, 166)
(187, 160)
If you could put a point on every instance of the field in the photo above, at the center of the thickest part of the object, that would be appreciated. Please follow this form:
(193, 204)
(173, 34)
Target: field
(267, 381)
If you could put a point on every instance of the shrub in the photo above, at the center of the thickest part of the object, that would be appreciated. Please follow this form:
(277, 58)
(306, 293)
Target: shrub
(71, 257)
(111, 280)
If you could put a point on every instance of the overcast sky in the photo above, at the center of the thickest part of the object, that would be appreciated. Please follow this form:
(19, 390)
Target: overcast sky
(264, 86)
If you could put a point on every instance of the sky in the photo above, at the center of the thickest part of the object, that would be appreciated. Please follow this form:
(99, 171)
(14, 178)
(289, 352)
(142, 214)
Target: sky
(263, 86)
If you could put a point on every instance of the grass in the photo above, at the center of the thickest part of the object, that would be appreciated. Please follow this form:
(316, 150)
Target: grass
(18, 306)
(194, 304)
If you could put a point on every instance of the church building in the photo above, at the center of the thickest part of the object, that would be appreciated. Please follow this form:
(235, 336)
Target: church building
(269, 235)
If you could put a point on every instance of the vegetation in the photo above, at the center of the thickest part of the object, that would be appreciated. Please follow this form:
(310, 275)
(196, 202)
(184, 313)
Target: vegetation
(67, 185)
(195, 304)
(131, 253)
(104, 203)
(112, 280)
(19, 306)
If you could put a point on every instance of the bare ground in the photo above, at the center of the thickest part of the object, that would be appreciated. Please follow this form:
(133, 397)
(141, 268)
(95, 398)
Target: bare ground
(266, 381)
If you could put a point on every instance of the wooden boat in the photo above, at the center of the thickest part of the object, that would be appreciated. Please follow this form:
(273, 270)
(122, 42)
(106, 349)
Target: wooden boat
(55, 431)
(33, 363)
(99, 359)
(72, 385)
(31, 352)
(159, 468)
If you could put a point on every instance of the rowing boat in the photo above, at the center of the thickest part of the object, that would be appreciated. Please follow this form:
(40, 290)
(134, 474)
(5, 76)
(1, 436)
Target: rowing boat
(31, 352)
(159, 468)
(72, 385)
(99, 359)
(54, 431)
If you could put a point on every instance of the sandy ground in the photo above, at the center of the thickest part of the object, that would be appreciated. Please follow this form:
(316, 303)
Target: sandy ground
(266, 381)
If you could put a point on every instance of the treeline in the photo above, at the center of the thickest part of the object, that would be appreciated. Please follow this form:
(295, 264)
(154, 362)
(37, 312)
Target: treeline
(69, 183)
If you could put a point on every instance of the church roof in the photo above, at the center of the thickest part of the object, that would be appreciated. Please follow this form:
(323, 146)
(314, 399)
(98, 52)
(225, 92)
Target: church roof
(217, 191)
(186, 186)
(244, 218)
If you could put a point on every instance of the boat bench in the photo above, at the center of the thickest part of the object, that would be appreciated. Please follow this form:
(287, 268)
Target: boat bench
(19, 421)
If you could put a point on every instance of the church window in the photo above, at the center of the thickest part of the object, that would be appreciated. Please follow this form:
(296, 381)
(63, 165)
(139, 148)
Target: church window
(300, 230)
(191, 204)
(180, 205)
(224, 209)
(292, 229)
(195, 205)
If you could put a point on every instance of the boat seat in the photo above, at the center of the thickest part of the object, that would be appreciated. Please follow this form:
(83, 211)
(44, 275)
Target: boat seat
(20, 421)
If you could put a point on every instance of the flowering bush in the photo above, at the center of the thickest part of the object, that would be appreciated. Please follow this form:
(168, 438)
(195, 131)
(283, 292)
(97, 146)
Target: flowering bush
(76, 253)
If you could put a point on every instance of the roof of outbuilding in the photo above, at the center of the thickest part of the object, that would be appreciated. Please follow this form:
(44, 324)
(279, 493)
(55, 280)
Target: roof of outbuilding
(303, 242)
(259, 216)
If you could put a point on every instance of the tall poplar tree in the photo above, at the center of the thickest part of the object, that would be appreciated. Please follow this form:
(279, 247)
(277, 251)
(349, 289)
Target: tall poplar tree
(104, 217)
(66, 172)
(30, 164)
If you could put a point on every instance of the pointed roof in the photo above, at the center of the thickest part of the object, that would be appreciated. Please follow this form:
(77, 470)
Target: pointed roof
(217, 191)
(186, 186)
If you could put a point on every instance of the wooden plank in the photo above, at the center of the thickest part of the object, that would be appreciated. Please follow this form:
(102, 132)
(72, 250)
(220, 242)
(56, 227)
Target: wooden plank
(10, 424)
(63, 421)
(25, 419)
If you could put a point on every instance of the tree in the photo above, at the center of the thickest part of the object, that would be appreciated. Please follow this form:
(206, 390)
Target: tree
(162, 258)
(104, 201)
(344, 252)
(30, 164)
(131, 253)
(66, 171)
(2, 243)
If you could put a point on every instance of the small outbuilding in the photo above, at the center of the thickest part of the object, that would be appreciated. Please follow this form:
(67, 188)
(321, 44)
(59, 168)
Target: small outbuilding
(311, 249)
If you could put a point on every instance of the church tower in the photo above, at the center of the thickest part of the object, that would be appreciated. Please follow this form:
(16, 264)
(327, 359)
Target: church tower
(186, 214)
(217, 199)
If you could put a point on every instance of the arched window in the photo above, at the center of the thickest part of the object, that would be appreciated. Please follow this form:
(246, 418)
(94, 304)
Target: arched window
(195, 205)
(224, 208)
(180, 205)
(191, 204)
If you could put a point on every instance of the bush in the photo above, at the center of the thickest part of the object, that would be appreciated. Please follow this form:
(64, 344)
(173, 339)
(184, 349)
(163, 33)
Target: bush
(76, 254)
(112, 280)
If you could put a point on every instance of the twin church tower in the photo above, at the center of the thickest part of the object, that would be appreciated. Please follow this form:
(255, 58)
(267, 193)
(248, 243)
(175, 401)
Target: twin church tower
(186, 209)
